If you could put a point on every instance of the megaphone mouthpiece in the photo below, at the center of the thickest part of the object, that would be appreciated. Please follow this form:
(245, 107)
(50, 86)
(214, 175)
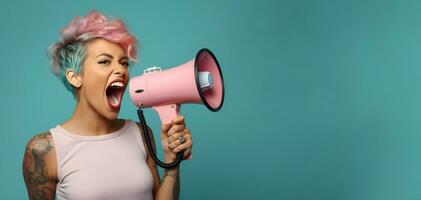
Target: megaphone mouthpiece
(205, 80)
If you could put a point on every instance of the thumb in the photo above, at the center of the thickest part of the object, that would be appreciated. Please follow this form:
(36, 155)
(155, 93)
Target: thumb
(165, 128)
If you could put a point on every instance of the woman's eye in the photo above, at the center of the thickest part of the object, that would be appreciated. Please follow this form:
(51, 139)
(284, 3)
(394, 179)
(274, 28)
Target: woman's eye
(126, 64)
(106, 62)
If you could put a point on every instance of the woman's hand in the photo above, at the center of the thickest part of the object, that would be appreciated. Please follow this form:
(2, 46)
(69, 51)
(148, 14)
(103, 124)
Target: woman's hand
(175, 137)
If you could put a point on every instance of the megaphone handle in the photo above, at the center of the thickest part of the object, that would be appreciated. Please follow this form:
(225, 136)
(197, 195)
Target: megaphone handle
(167, 112)
(149, 145)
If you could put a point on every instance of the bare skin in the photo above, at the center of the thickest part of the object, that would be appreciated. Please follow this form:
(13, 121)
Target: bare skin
(104, 63)
(39, 172)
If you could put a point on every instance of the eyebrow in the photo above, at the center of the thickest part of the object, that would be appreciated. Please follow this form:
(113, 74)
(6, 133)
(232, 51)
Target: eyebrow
(110, 56)
(105, 54)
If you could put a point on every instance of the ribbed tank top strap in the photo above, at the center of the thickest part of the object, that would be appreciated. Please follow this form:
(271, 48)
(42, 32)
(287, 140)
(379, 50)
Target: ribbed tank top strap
(137, 130)
(60, 142)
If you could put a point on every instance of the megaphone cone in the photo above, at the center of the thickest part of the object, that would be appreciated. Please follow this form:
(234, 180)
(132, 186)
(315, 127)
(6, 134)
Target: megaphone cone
(197, 81)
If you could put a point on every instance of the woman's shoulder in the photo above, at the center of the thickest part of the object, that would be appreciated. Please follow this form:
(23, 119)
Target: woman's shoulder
(41, 142)
(40, 153)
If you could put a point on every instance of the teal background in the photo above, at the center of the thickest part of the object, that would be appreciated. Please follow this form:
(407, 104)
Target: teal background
(322, 97)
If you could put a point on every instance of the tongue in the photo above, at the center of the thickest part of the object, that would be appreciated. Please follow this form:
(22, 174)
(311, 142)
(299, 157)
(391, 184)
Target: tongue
(114, 98)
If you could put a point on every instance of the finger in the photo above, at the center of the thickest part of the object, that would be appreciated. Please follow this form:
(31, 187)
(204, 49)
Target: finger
(165, 127)
(177, 142)
(175, 129)
(185, 134)
(175, 137)
(183, 146)
(178, 120)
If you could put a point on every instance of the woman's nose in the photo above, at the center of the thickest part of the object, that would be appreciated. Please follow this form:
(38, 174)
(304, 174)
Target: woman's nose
(119, 69)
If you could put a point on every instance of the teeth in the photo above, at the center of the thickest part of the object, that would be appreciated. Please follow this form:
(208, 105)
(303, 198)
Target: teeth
(118, 84)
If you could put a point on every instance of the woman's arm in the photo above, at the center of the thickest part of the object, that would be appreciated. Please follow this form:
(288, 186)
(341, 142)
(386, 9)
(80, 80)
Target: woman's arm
(37, 168)
(169, 187)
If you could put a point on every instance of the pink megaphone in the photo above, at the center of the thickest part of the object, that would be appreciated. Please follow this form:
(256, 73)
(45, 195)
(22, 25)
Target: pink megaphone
(197, 81)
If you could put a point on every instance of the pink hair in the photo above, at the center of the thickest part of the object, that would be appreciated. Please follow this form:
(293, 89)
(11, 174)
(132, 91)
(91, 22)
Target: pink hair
(96, 25)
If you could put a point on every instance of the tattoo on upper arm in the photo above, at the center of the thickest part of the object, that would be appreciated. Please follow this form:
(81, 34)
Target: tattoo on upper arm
(38, 184)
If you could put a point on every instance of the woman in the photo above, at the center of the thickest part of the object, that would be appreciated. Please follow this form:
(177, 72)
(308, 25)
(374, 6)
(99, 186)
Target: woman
(95, 155)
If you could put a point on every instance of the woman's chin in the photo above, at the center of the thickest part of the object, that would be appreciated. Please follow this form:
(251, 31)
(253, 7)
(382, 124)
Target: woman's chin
(111, 114)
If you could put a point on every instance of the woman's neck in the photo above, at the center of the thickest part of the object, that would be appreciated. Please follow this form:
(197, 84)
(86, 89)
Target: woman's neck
(87, 121)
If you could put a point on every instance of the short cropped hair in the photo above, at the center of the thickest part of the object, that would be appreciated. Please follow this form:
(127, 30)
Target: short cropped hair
(69, 51)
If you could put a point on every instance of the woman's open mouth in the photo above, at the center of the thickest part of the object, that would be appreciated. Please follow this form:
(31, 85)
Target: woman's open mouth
(114, 94)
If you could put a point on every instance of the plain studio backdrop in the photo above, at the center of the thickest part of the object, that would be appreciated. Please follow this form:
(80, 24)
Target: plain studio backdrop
(323, 98)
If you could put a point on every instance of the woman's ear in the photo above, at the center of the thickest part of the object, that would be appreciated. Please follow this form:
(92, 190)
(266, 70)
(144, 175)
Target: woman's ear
(73, 78)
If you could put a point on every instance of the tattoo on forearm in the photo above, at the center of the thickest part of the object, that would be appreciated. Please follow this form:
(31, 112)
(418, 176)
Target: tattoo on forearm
(34, 168)
(176, 186)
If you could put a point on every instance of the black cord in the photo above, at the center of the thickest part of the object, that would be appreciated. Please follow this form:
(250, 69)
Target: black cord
(150, 148)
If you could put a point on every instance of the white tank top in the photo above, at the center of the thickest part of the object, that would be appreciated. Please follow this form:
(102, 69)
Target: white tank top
(111, 166)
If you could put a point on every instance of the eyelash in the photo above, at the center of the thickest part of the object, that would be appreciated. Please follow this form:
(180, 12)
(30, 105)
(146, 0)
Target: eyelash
(104, 62)
(125, 63)
(107, 62)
